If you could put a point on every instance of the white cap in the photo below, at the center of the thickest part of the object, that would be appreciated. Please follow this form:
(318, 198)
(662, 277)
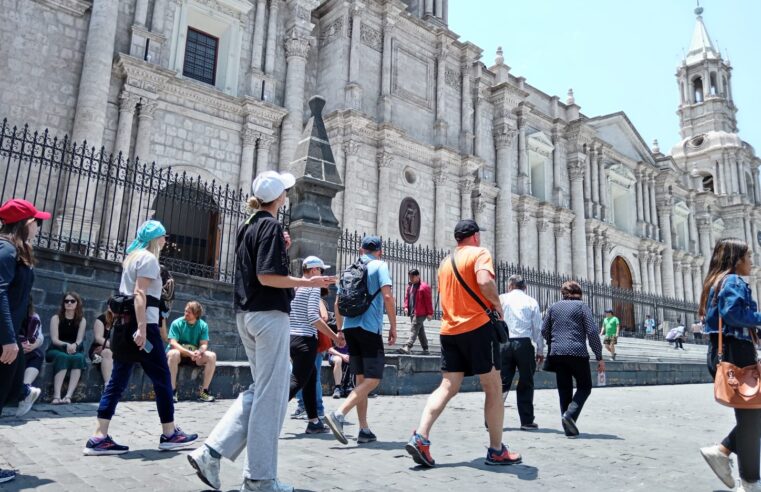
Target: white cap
(314, 262)
(270, 184)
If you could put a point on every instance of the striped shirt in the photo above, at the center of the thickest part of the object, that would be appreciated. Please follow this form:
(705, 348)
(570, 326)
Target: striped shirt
(305, 310)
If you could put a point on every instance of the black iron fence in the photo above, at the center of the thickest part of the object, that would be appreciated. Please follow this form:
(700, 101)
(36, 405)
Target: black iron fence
(98, 201)
(631, 307)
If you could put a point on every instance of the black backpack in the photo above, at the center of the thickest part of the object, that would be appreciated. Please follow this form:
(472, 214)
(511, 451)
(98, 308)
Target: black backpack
(355, 298)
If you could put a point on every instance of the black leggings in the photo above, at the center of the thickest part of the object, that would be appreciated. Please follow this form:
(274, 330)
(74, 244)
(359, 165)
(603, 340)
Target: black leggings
(569, 368)
(745, 438)
(12, 379)
(303, 375)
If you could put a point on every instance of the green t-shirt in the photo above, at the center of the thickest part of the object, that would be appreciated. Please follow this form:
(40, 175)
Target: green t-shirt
(187, 334)
(610, 324)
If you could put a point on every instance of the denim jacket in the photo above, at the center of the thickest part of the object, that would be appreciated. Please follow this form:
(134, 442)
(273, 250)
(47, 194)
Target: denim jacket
(737, 308)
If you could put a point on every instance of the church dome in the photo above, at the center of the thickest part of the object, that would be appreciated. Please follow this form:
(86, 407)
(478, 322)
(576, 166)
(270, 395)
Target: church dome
(706, 142)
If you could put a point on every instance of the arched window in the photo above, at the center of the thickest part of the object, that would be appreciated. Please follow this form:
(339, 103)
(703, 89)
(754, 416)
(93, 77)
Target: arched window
(713, 91)
(697, 90)
(707, 182)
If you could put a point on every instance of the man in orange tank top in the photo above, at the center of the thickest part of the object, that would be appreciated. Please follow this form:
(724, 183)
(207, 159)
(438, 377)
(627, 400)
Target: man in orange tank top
(469, 344)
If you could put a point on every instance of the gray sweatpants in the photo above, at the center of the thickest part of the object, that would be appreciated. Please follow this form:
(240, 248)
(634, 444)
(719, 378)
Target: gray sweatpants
(254, 420)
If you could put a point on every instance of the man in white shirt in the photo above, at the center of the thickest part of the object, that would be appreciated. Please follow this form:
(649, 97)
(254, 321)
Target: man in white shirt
(524, 321)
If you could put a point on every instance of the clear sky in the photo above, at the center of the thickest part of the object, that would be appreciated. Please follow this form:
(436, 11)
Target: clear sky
(619, 55)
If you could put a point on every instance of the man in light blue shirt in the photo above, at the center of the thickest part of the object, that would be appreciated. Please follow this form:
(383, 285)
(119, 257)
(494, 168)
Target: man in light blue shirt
(524, 321)
(364, 337)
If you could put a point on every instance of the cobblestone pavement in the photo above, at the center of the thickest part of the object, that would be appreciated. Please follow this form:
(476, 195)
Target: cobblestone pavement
(643, 438)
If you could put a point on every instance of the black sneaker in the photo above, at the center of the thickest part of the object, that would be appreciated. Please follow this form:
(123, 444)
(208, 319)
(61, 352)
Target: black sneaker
(425, 352)
(7, 475)
(366, 436)
(103, 447)
(569, 426)
(529, 427)
(317, 428)
(178, 440)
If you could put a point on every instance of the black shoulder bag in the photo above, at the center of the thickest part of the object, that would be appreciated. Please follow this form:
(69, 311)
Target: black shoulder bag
(499, 325)
(124, 326)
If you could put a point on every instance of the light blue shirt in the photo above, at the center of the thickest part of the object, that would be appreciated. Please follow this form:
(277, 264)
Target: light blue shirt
(377, 277)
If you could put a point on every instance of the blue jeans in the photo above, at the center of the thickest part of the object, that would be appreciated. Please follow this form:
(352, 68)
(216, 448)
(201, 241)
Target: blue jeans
(155, 366)
(318, 367)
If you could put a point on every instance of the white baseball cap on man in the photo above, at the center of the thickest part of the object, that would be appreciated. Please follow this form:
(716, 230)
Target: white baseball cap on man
(314, 262)
(270, 184)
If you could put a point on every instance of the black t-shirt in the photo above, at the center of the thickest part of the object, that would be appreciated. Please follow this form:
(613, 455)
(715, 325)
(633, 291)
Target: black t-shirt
(260, 249)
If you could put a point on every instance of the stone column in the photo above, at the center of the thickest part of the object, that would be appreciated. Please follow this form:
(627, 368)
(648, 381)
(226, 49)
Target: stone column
(578, 243)
(159, 16)
(756, 187)
(644, 278)
(477, 127)
(646, 204)
(606, 261)
(445, 12)
(697, 281)
(754, 234)
(590, 240)
(748, 233)
(658, 268)
(384, 107)
(503, 139)
(693, 241)
(257, 49)
(562, 251)
(667, 273)
(524, 237)
(351, 173)
(640, 208)
(603, 186)
(428, 7)
(439, 213)
(440, 125)
(263, 147)
(246, 174)
(466, 197)
(296, 50)
(557, 171)
(384, 210)
(353, 90)
(523, 188)
(704, 226)
(597, 252)
(94, 82)
(588, 205)
(653, 210)
(145, 131)
(595, 184)
(438, 11)
(678, 281)
(546, 245)
(141, 12)
(127, 105)
(466, 124)
(270, 54)
(689, 295)
(652, 272)
(733, 188)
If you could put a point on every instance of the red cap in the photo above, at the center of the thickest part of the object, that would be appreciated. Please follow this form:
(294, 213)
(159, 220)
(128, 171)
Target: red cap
(15, 210)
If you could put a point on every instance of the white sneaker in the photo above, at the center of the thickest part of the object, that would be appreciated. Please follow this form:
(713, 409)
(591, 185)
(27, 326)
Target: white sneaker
(749, 486)
(26, 404)
(720, 463)
(206, 466)
(264, 486)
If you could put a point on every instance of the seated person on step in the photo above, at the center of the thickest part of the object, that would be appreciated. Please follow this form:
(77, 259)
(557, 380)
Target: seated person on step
(189, 344)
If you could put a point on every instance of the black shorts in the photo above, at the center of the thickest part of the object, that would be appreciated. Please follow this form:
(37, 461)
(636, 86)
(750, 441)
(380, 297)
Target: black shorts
(34, 359)
(366, 355)
(473, 352)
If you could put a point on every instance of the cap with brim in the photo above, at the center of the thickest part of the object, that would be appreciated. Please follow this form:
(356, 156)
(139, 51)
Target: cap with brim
(314, 262)
(16, 210)
(371, 243)
(466, 228)
(149, 231)
(269, 185)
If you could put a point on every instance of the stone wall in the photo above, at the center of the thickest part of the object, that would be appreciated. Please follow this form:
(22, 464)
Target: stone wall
(96, 280)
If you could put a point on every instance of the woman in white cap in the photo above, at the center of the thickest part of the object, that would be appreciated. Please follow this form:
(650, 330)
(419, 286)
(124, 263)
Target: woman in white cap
(141, 277)
(305, 321)
(263, 294)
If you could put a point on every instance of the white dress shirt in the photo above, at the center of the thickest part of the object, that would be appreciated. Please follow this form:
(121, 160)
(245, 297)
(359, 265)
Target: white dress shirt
(523, 318)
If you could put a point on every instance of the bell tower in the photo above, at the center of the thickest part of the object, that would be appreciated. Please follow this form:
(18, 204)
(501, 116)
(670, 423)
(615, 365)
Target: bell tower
(705, 87)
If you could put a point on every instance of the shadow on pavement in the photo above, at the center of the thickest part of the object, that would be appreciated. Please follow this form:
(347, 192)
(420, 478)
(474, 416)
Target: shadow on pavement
(523, 472)
(150, 454)
(25, 482)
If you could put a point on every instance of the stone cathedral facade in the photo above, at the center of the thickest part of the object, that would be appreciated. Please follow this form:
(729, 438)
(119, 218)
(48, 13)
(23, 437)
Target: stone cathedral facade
(424, 131)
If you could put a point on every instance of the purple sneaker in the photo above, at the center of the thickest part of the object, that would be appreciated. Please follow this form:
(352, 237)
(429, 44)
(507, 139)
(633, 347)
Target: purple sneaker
(103, 447)
(178, 440)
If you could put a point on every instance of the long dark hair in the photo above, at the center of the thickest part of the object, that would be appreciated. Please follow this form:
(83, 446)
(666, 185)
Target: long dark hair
(726, 255)
(17, 233)
(78, 312)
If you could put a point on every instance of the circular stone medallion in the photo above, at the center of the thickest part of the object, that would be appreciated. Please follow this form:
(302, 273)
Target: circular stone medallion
(409, 220)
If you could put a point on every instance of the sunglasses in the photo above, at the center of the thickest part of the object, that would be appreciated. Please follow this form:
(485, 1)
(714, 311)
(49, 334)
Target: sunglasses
(69, 301)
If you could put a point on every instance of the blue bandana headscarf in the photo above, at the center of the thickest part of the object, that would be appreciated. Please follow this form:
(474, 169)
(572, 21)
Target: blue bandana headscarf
(149, 231)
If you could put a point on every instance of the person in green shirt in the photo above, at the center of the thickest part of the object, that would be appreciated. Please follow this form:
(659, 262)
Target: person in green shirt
(189, 344)
(610, 328)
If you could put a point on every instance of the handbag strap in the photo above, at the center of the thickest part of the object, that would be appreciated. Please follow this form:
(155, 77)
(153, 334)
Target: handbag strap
(720, 351)
(466, 287)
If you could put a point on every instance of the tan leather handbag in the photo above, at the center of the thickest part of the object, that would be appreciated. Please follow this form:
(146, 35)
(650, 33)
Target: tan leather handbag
(737, 387)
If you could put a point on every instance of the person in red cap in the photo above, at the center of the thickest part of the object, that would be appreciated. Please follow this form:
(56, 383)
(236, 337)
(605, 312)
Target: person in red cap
(20, 223)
